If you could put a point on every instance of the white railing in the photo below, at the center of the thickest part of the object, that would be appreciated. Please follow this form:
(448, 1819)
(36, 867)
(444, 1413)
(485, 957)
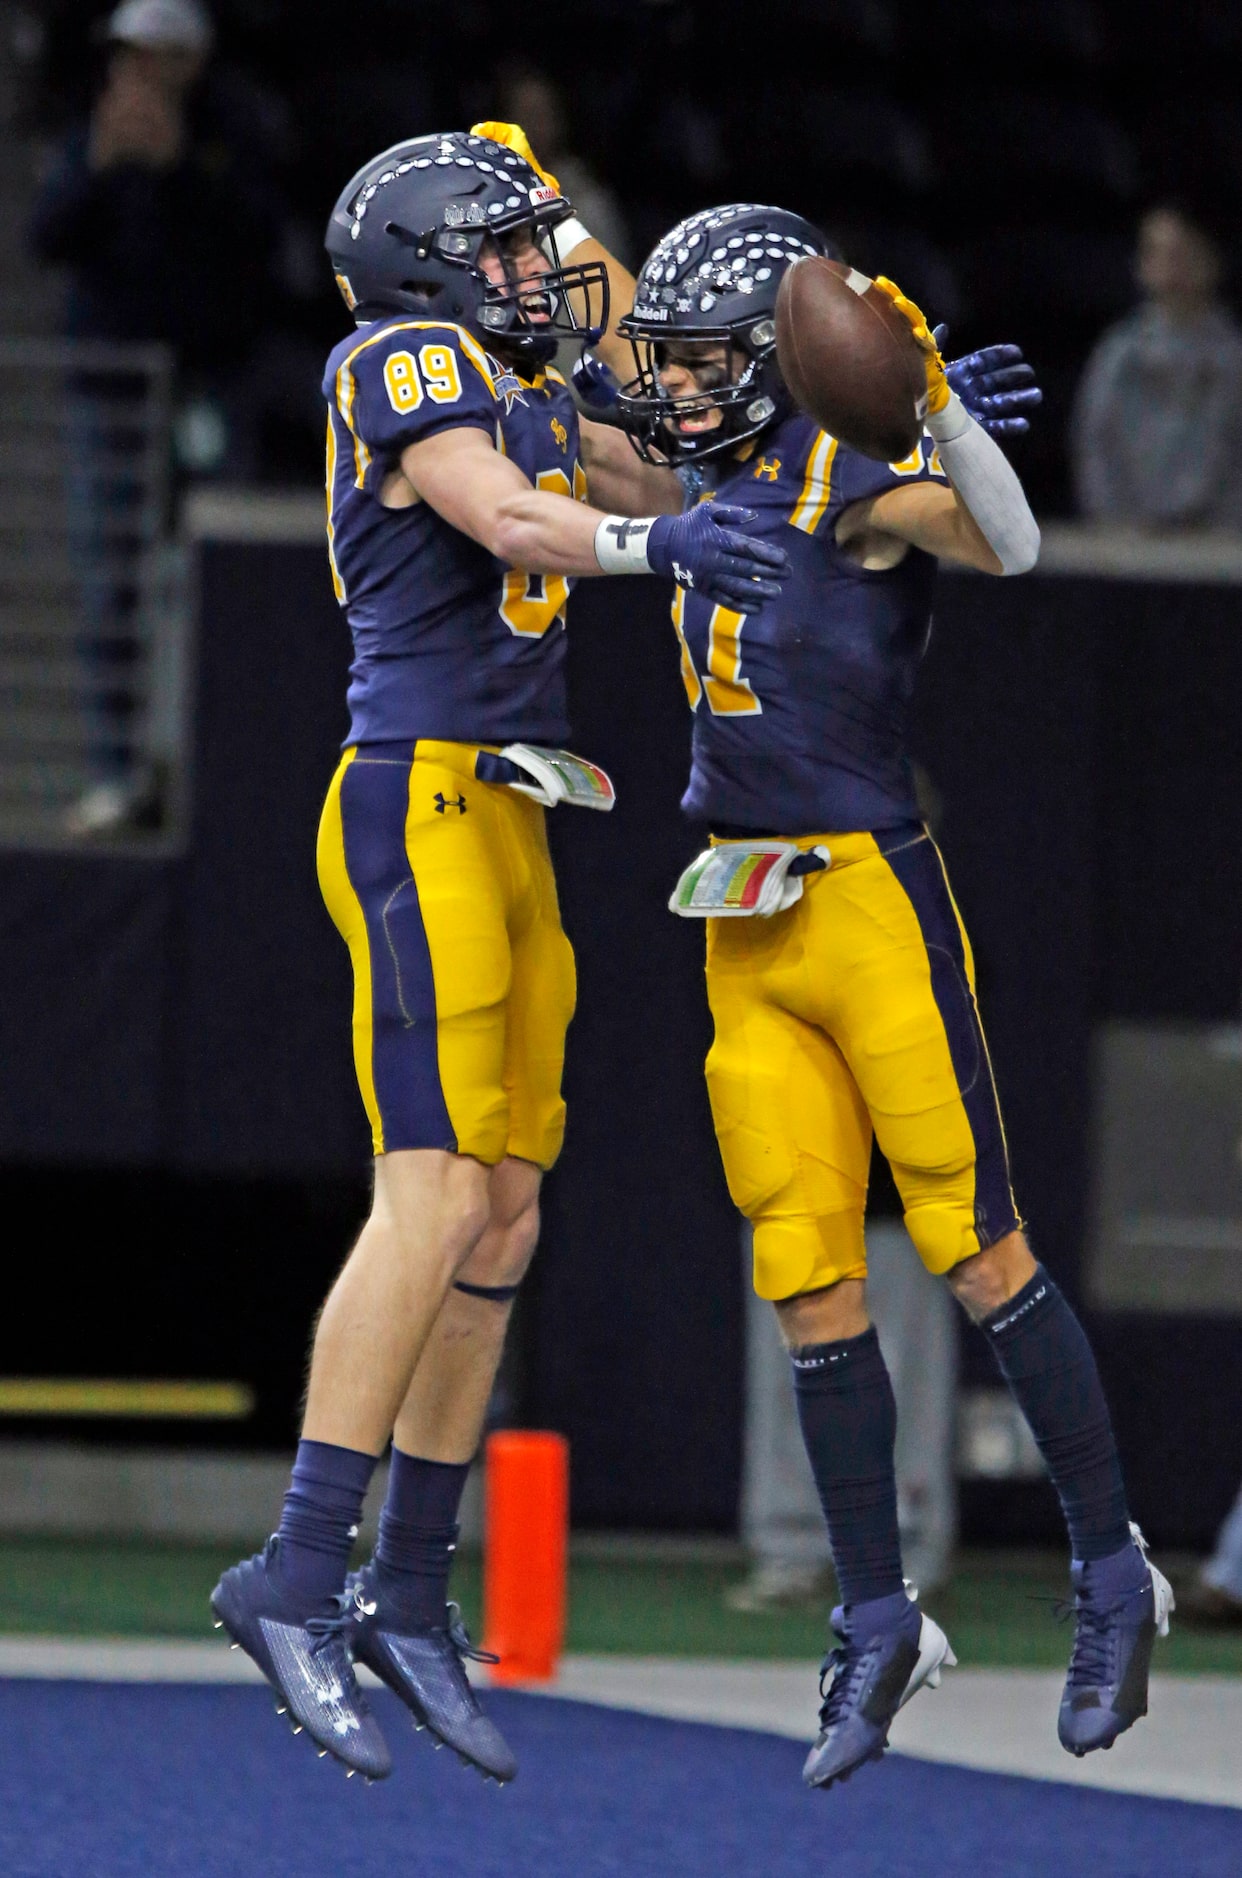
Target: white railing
(92, 613)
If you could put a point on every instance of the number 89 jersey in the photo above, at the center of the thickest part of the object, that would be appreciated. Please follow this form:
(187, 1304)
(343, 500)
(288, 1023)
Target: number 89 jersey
(449, 643)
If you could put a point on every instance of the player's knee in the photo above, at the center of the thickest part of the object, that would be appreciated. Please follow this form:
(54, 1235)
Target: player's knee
(502, 1254)
(438, 1204)
(826, 1315)
(987, 1280)
(518, 1239)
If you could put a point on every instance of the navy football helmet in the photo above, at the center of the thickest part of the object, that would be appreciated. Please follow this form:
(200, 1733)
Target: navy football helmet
(405, 237)
(714, 277)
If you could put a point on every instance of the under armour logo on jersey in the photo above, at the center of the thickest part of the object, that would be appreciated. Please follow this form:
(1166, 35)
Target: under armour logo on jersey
(444, 803)
(682, 575)
(771, 470)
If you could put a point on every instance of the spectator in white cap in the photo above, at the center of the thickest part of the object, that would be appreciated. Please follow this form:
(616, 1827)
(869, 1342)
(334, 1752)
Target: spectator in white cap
(166, 211)
(182, 24)
(160, 49)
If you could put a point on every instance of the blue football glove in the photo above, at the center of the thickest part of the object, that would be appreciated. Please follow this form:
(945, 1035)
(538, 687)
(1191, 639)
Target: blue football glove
(594, 383)
(996, 385)
(704, 551)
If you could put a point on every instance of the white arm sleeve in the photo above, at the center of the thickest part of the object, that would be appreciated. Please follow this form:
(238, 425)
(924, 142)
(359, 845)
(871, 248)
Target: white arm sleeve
(981, 474)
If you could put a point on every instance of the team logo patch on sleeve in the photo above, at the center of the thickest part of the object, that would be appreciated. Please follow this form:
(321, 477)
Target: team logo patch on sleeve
(506, 386)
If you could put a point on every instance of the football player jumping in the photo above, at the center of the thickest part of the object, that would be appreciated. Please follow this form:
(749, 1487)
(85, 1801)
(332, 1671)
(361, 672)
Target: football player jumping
(460, 509)
(839, 974)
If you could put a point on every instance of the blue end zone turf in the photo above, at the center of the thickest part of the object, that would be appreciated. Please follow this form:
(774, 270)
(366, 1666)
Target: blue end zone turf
(142, 1781)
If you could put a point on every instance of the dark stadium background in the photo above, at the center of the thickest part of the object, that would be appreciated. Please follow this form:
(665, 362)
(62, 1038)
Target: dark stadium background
(178, 1125)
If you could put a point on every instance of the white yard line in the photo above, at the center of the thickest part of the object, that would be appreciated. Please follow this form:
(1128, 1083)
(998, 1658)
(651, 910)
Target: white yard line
(997, 1720)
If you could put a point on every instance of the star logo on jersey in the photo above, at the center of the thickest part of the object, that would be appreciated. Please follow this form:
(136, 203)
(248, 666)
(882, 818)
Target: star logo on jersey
(445, 803)
(506, 386)
(560, 433)
(771, 470)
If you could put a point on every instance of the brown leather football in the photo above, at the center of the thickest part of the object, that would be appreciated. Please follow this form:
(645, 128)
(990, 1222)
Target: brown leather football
(849, 358)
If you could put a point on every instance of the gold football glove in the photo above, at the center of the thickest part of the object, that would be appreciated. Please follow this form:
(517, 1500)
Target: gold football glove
(938, 387)
(514, 138)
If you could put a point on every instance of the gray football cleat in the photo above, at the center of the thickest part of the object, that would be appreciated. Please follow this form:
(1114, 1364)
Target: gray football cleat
(1117, 1621)
(888, 1650)
(305, 1656)
(425, 1665)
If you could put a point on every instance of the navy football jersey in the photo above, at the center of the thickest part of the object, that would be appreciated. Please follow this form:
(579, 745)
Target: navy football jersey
(449, 642)
(800, 710)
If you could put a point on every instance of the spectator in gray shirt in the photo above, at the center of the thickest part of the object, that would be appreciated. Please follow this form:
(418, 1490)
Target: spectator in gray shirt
(1157, 425)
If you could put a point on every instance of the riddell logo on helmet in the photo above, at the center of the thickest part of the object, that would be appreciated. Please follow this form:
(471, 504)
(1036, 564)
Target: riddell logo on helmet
(651, 312)
(543, 194)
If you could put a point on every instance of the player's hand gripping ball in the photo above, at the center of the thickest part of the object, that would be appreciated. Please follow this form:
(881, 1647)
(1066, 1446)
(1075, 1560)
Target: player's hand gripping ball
(705, 551)
(938, 389)
(514, 138)
(850, 351)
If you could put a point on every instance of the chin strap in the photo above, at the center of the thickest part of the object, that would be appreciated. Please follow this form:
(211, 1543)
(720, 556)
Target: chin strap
(496, 1294)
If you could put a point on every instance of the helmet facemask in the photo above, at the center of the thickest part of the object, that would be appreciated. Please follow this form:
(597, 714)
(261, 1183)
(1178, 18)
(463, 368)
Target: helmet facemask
(714, 277)
(524, 318)
(746, 394)
(530, 315)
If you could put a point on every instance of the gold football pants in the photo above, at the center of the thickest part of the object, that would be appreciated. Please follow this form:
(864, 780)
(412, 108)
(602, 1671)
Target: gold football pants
(442, 888)
(855, 1012)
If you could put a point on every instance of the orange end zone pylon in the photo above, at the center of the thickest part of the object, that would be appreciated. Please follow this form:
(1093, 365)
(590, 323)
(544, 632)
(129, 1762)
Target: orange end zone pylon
(525, 1553)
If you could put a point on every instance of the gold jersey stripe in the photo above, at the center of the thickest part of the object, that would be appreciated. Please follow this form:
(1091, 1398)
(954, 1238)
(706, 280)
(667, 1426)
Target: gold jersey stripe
(106, 1396)
(346, 392)
(809, 509)
(346, 911)
(338, 585)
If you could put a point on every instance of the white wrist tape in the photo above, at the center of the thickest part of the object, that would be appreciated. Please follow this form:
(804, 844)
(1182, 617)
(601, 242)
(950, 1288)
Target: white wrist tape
(981, 474)
(621, 544)
(570, 234)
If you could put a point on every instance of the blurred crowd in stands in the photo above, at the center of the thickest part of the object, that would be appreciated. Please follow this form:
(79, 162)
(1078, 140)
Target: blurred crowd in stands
(997, 157)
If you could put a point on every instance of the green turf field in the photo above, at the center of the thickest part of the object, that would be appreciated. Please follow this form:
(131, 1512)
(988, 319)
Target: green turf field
(994, 1609)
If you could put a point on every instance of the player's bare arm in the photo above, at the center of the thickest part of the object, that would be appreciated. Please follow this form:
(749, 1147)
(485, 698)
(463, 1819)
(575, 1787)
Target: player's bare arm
(474, 488)
(617, 478)
(880, 531)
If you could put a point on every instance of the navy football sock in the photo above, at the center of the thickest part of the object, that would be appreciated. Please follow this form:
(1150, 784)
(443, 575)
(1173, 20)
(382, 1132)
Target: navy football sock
(849, 1424)
(1045, 1358)
(418, 1533)
(319, 1521)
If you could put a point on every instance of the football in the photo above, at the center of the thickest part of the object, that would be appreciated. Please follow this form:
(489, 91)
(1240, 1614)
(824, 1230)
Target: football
(849, 358)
